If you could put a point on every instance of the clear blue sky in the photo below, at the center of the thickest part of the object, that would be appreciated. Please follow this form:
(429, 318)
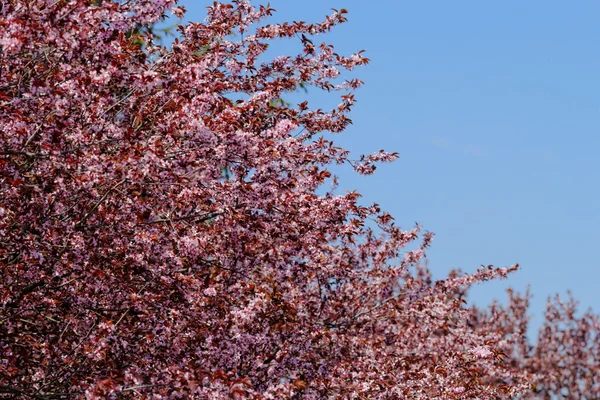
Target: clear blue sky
(494, 108)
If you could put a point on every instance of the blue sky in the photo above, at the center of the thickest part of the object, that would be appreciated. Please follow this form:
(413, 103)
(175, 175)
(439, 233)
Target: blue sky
(494, 108)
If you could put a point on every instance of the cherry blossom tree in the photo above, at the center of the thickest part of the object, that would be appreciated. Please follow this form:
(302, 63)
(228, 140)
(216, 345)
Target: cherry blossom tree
(563, 363)
(164, 232)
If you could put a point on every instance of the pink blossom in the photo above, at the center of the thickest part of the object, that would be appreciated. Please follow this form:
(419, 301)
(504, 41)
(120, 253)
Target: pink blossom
(482, 351)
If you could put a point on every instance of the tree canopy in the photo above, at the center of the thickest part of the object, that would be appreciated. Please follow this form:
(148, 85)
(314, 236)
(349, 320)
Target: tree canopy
(133, 267)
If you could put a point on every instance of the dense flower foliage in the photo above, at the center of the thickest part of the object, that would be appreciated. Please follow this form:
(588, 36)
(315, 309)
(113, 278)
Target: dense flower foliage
(564, 361)
(162, 234)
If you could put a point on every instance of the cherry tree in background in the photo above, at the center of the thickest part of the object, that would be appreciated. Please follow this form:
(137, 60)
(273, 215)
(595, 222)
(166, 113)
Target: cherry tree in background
(564, 362)
(162, 235)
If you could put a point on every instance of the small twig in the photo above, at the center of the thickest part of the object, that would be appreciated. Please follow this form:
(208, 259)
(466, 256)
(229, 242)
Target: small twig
(109, 191)
(140, 387)
(204, 217)
(128, 309)
(128, 95)
(83, 339)
(122, 316)
(64, 330)
(51, 319)
(66, 212)
(23, 153)
(66, 14)
(26, 290)
(27, 322)
(370, 310)
(14, 390)
(65, 283)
